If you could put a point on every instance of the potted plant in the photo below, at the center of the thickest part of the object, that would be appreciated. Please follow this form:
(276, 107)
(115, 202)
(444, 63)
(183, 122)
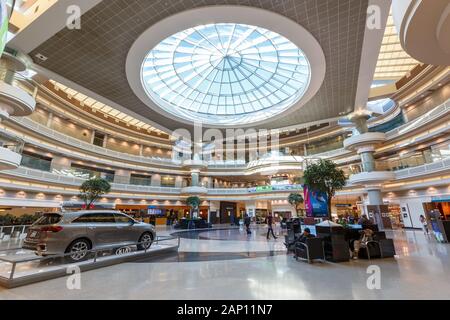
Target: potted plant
(326, 177)
(91, 190)
(193, 202)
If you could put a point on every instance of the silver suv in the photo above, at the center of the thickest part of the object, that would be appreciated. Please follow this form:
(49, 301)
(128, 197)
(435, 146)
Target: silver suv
(78, 232)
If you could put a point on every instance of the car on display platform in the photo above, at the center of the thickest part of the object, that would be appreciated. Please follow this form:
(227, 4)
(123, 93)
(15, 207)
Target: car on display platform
(75, 233)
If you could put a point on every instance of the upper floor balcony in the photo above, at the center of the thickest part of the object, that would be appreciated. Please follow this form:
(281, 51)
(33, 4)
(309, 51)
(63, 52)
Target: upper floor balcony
(14, 100)
(10, 151)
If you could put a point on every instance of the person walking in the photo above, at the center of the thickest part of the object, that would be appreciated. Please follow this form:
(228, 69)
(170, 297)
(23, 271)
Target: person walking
(424, 223)
(247, 222)
(270, 226)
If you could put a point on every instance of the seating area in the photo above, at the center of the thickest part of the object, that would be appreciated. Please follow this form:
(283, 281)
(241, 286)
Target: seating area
(335, 243)
(192, 224)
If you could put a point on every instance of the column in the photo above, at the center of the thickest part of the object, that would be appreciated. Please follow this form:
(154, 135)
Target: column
(122, 176)
(49, 119)
(60, 163)
(105, 141)
(367, 159)
(156, 180)
(364, 143)
(195, 178)
(179, 182)
(375, 197)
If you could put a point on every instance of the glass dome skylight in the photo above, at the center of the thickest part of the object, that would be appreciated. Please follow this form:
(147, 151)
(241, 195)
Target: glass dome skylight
(225, 74)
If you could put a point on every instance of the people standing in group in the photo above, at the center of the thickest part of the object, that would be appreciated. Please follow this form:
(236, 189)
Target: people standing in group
(424, 223)
(270, 226)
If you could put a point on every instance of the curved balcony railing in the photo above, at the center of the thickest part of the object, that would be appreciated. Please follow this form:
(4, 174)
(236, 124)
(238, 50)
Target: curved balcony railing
(11, 142)
(438, 112)
(75, 182)
(426, 169)
(60, 137)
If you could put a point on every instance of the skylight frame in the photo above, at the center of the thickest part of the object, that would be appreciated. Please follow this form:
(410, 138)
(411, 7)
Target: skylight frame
(237, 100)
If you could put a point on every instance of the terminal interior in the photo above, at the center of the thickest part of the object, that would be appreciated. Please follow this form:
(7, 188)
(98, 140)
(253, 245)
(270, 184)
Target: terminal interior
(229, 103)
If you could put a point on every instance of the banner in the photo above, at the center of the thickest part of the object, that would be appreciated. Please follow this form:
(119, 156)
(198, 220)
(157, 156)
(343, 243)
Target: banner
(316, 204)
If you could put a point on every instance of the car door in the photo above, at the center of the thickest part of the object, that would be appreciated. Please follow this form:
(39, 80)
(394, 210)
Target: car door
(102, 228)
(126, 230)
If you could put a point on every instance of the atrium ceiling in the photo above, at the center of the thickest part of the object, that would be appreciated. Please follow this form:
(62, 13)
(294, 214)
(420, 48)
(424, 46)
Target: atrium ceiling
(94, 57)
(393, 62)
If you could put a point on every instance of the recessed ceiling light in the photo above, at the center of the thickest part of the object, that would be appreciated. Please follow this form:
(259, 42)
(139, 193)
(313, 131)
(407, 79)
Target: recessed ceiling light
(41, 57)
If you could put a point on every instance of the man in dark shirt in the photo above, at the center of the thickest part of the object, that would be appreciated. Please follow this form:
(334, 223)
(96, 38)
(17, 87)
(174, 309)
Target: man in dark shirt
(247, 221)
(300, 249)
(270, 226)
(305, 235)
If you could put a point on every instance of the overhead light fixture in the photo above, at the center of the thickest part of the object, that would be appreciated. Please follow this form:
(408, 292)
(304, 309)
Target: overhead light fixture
(28, 73)
(41, 57)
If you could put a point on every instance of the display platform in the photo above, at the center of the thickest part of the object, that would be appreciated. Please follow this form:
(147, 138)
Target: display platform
(20, 267)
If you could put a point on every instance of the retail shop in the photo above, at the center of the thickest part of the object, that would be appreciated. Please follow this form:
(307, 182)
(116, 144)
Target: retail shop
(226, 212)
(282, 209)
(440, 204)
(158, 214)
(22, 215)
(346, 210)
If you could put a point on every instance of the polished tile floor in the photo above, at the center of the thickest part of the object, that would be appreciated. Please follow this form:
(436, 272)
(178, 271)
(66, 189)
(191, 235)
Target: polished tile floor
(226, 264)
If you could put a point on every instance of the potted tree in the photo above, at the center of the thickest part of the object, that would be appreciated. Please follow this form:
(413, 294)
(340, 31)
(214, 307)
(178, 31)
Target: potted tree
(193, 202)
(295, 199)
(326, 177)
(91, 190)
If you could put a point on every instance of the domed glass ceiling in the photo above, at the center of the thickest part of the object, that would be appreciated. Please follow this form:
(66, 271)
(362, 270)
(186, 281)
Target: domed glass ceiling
(225, 74)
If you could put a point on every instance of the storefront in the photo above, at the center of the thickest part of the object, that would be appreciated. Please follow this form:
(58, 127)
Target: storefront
(22, 215)
(439, 203)
(396, 216)
(158, 215)
(283, 209)
(346, 210)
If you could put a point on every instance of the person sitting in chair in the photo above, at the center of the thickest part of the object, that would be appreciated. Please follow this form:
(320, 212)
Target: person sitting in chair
(300, 250)
(366, 236)
(305, 236)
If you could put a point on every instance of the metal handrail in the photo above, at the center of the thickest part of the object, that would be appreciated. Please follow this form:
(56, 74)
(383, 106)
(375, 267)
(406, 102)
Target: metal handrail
(23, 227)
(436, 112)
(93, 260)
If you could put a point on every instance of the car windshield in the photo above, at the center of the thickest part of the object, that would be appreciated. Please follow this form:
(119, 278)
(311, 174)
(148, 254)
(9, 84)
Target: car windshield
(49, 218)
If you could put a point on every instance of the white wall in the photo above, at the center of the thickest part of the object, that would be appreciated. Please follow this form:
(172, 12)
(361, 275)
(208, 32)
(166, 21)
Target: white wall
(122, 176)
(156, 180)
(284, 208)
(415, 209)
(250, 208)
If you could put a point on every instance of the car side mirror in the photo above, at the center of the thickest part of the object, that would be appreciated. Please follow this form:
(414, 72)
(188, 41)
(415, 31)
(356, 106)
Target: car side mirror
(132, 222)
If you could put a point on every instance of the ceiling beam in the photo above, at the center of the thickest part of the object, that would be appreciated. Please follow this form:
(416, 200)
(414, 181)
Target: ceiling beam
(373, 38)
(48, 24)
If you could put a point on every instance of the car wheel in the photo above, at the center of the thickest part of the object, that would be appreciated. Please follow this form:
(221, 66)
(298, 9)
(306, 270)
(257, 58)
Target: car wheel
(78, 250)
(145, 241)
